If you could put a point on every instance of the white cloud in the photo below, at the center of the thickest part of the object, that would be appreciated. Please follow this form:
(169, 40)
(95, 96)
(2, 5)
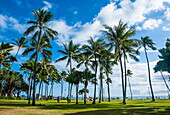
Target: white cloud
(151, 24)
(15, 49)
(48, 5)
(7, 22)
(167, 14)
(166, 27)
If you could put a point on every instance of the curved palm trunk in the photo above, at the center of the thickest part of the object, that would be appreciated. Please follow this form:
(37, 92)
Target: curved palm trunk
(130, 88)
(94, 99)
(108, 88)
(153, 99)
(165, 81)
(77, 90)
(121, 67)
(124, 99)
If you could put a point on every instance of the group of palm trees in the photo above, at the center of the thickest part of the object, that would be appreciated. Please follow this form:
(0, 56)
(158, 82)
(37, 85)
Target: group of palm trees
(97, 57)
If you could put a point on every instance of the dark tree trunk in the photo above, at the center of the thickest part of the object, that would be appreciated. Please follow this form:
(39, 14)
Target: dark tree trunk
(108, 88)
(149, 75)
(94, 99)
(77, 90)
(165, 81)
(85, 88)
(61, 89)
(30, 90)
(39, 89)
(124, 99)
(121, 67)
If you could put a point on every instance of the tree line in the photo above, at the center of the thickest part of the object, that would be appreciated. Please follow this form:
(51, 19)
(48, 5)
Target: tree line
(97, 57)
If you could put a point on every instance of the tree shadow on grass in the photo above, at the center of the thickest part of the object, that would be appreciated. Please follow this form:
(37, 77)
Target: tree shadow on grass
(148, 111)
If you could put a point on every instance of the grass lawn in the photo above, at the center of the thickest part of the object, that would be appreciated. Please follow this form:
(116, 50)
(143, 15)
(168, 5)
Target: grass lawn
(133, 107)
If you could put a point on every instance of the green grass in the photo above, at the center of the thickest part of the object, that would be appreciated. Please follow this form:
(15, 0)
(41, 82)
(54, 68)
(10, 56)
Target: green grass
(133, 107)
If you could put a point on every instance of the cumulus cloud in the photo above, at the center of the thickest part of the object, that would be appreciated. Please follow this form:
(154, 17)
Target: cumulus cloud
(167, 14)
(151, 24)
(166, 27)
(48, 5)
(7, 22)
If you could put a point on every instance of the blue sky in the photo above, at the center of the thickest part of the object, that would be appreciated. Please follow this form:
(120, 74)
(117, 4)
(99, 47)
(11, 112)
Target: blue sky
(78, 20)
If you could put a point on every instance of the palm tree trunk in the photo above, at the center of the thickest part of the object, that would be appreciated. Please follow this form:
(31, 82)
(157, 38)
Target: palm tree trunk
(165, 81)
(71, 91)
(108, 88)
(61, 89)
(124, 99)
(121, 67)
(68, 89)
(153, 99)
(29, 99)
(39, 89)
(85, 88)
(130, 89)
(102, 88)
(35, 66)
(77, 90)
(94, 99)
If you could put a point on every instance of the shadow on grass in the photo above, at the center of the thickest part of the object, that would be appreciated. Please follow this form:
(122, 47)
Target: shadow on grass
(148, 111)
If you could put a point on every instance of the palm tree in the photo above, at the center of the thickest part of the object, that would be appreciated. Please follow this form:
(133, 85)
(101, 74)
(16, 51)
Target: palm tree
(118, 36)
(92, 49)
(87, 77)
(129, 74)
(63, 77)
(148, 43)
(42, 17)
(5, 54)
(70, 53)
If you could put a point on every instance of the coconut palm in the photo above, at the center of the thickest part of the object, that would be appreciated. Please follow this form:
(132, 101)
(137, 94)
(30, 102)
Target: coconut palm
(42, 17)
(5, 54)
(63, 77)
(70, 53)
(129, 74)
(118, 36)
(147, 43)
(92, 49)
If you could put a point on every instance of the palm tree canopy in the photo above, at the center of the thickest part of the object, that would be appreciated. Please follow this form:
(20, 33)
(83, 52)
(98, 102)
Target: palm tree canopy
(148, 43)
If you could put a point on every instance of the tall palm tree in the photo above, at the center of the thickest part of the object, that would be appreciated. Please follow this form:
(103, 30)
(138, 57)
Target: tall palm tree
(147, 43)
(118, 36)
(42, 17)
(63, 77)
(70, 53)
(92, 49)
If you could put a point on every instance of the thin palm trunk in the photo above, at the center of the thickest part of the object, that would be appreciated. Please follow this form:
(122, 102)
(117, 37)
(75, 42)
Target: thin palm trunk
(85, 88)
(130, 88)
(121, 67)
(68, 89)
(30, 91)
(153, 99)
(39, 89)
(35, 66)
(71, 90)
(61, 89)
(77, 89)
(165, 81)
(94, 99)
(124, 99)
(100, 89)
(108, 88)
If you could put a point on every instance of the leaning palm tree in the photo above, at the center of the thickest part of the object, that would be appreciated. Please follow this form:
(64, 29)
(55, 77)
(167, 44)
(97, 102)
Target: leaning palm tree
(70, 53)
(92, 49)
(118, 36)
(147, 43)
(42, 17)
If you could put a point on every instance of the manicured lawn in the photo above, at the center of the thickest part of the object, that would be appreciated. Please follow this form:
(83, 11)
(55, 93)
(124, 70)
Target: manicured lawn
(133, 107)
